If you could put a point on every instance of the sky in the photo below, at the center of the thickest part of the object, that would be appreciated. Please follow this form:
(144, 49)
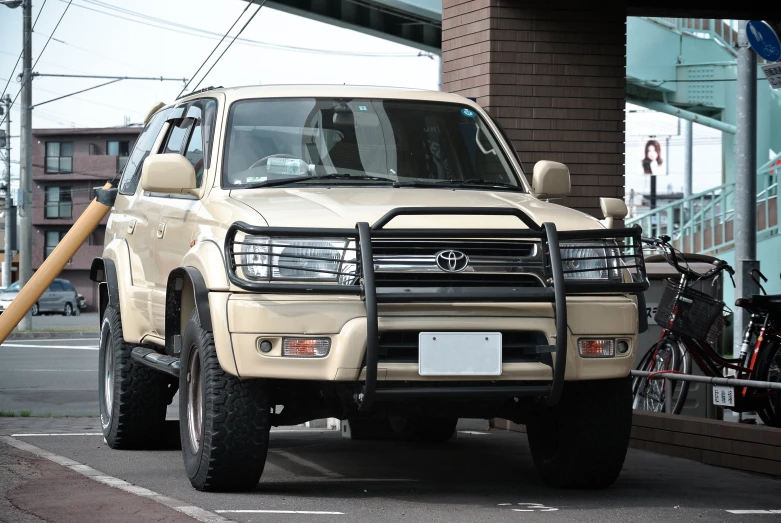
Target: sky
(140, 38)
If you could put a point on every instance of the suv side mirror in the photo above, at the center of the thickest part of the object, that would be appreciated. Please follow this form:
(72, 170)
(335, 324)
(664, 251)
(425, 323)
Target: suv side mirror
(550, 180)
(168, 173)
(612, 209)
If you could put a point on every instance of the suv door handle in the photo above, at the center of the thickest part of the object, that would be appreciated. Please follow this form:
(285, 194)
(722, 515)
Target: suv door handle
(131, 227)
(160, 229)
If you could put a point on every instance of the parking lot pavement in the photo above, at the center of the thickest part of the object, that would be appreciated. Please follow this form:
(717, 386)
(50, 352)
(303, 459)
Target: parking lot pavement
(57, 377)
(316, 476)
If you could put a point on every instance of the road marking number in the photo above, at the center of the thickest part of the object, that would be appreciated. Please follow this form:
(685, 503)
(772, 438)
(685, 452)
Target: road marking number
(528, 507)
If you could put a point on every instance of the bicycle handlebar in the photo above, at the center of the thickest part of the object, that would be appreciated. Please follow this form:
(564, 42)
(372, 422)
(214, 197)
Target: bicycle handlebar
(672, 258)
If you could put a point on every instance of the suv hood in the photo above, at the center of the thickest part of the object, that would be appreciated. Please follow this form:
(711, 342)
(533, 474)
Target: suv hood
(339, 207)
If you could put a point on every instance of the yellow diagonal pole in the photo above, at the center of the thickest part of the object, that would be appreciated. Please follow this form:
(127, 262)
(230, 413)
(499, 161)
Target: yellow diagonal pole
(53, 265)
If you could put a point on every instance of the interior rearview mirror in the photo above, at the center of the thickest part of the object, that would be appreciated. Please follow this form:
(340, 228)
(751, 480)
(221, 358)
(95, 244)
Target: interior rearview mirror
(168, 173)
(613, 209)
(550, 180)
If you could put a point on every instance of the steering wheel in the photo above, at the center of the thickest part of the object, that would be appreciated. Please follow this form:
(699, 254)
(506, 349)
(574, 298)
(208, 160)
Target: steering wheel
(265, 159)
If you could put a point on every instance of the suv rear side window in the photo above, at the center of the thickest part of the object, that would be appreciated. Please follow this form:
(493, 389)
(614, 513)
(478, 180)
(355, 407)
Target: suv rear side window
(132, 173)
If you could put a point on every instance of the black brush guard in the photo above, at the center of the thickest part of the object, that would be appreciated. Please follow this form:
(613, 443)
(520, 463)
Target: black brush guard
(363, 234)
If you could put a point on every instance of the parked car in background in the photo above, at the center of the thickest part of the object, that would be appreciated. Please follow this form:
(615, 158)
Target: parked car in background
(59, 298)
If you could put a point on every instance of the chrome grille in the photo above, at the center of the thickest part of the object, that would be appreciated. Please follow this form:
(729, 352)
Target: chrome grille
(413, 263)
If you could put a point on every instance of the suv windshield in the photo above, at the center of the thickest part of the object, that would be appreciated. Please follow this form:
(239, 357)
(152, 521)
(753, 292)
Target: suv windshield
(366, 141)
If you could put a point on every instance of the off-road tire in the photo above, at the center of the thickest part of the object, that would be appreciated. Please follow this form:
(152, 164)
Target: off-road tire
(136, 418)
(235, 421)
(582, 441)
(428, 429)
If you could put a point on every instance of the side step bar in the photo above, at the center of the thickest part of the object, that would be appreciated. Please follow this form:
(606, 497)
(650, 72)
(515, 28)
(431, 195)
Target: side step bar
(155, 360)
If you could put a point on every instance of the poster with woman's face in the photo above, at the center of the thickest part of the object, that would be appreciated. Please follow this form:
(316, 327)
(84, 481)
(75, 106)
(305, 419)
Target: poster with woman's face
(652, 160)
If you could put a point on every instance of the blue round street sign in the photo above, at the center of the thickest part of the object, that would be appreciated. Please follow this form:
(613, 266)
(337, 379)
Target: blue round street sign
(764, 40)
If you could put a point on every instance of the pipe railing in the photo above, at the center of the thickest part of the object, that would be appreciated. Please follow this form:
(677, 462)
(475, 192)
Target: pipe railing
(701, 223)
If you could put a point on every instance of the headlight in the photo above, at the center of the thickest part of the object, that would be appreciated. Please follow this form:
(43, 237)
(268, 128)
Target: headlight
(298, 259)
(590, 261)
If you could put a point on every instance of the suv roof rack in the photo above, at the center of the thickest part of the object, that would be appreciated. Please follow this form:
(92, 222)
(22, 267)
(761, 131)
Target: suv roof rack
(200, 91)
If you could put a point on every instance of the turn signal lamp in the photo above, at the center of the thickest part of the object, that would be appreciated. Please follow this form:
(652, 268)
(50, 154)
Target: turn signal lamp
(594, 348)
(306, 347)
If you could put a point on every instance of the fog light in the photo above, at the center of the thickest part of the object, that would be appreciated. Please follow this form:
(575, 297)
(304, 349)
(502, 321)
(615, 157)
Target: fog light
(596, 348)
(623, 347)
(306, 347)
(265, 346)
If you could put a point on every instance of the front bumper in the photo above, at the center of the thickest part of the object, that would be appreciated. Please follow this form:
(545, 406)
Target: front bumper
(254, 318)
(359, 338)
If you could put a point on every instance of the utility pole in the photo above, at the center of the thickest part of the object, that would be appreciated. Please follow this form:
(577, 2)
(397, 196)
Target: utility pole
(745, 230)
(26, 159)
(9, 210)
(688, 167)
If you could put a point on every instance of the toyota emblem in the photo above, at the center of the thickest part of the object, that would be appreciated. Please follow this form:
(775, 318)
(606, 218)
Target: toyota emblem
(452, 261)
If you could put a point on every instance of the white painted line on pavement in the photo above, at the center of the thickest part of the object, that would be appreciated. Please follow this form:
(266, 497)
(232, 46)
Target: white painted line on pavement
(51, 370)
(194, 512)
(252, 511)
(306, 463)
(43, 340)
(66, 347)
(473, 432)
(33, 435)
(754, 511)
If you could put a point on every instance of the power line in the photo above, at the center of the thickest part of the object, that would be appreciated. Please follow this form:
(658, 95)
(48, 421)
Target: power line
(25, 45)
(52, 33)
(39, 56)
(261, 4)
(215, 48)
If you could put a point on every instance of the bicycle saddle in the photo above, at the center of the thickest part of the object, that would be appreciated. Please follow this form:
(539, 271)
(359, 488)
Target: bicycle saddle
(760, 303)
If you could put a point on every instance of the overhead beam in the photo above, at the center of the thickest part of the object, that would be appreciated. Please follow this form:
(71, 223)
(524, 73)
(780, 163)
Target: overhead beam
(683, 113)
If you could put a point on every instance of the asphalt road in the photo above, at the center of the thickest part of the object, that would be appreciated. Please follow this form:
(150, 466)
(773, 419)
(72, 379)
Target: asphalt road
(57, 321)
(316, 476)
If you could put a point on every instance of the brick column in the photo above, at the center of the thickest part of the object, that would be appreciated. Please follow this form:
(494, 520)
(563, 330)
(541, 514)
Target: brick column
(553, 74)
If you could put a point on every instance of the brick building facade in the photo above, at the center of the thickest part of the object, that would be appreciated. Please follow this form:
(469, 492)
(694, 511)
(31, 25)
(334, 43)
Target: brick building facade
(67, 166)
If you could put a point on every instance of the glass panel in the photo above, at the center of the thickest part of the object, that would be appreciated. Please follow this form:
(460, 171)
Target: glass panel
(176, 136)
(53, 165)
(66, 164)
(66, 149)
(52, 149)
(123, 148)
(400, 140)
(55, 287)
(194, 153)
(52, 199)
(112, 148)
(52, 238)
(132, 172)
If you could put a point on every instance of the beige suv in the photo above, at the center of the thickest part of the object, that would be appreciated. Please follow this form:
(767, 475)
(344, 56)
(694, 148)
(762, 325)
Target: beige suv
(287, 253)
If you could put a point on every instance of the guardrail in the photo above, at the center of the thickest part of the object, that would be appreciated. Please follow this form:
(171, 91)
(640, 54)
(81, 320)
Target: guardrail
(711, 380)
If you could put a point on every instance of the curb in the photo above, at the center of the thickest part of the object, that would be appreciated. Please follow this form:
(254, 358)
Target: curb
(52, 335)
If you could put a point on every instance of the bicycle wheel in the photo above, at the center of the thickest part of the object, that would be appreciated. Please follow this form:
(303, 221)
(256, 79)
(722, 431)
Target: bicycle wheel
(769, 369)
(667, 355)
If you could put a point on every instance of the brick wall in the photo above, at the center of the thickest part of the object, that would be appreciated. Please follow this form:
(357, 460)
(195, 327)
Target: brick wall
(553, 74)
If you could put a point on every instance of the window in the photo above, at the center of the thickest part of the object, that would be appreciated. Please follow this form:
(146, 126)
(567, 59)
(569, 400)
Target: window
(176, 135)
(59, 203)
(59, 157)
(56, 287)
(93, 149)
(429, 143)
(52, 239)
(66, 285)
(132, 171)
(120, 149)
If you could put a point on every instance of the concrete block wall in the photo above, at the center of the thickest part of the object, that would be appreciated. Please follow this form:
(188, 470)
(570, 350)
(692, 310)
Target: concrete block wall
(553, 75)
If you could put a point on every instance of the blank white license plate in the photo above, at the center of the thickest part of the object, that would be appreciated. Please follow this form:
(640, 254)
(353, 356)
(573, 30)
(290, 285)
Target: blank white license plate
(460, 354)
(723, 396)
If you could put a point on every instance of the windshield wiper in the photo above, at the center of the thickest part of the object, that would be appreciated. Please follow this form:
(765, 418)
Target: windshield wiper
(478, 183)
(296, 179)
